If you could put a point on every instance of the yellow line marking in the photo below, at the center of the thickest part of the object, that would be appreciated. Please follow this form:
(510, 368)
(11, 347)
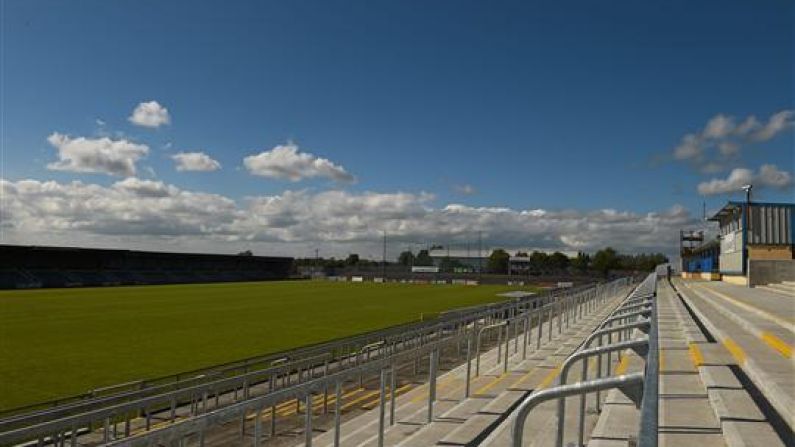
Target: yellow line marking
(288, 408)
(492, 383)
(358, 399)
(153, 426)
(736, 351)
(523, 378)
(660, 361)
(372, 404)
(622, 365)
(550, 377)
(695, 355)
(780, 321)
(439, 385)
(777, 344)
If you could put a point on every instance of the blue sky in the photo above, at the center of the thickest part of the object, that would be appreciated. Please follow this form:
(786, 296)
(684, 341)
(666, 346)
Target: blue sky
(561, 106)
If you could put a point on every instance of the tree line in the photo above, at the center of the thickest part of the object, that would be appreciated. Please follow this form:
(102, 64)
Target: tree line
(602, 262)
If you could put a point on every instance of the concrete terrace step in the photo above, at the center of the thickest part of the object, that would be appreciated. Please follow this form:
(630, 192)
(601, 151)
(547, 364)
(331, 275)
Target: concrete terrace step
(786, 289)
(491, 408)
(540, 427)
(747, 334)
(411, 411)
(729, 416)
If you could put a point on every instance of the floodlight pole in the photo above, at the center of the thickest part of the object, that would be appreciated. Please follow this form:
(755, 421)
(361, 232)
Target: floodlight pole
(383, 268)
(480, 255)
(747, 266)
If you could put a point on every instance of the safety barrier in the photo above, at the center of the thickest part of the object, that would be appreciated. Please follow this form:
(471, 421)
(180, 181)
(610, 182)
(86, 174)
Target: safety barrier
(285, 379)
(638, 311)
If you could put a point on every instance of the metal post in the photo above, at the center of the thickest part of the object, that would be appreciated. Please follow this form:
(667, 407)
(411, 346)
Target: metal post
(258, 428)
(432, 383)
(271, 386)
(325, 389)
(581, 426)
(507, 342)
(308, 421)
(392, 393)
(560, 316)
(381, 408)
(515, 335)
(540, 327)
(337, 407)
(469, 364)
(499, 343)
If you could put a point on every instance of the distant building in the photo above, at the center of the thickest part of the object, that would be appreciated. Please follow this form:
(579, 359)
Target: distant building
(702, 261)
(464, 260)
(471, 261)
(756, 242)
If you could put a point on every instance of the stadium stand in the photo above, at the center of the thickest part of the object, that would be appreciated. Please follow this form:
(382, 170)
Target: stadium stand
(24, 267)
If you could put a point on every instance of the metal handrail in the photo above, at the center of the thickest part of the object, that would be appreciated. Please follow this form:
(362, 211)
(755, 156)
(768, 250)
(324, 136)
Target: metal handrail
(422, 339)
(650, 407)
(501, 324)
(630, 384)
(639, 346)
(610, 320)
(649, 378)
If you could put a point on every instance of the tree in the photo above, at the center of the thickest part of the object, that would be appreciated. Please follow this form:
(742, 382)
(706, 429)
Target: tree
(606, 260)
(559, 261)
(539, 261)
(246, 253)
(521, 254)
(353, 259)
(643, 261)
(581, 262)
(406, 258)
(499, 261)
(423, 259)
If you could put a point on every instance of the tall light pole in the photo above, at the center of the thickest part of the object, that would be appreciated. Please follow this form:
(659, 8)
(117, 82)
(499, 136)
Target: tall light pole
(480, 255)
(746, 233)
(383, 260)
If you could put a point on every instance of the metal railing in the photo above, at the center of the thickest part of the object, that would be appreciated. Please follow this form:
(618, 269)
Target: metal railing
(637, 312)
(285, 379)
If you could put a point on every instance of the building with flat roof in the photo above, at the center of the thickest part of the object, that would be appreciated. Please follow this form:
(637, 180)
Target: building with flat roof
(755, 237)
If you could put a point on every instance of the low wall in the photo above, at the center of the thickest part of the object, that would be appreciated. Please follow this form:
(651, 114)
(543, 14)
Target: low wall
(738, 280)
(709, 276)
(770, 252)
(762, 272)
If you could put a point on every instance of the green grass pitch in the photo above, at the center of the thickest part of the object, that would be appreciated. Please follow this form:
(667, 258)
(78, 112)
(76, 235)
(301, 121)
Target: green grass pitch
(60, 342)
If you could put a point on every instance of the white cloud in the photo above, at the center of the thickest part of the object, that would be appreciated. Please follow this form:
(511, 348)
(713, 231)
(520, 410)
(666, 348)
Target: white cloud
(195, 161)
(718, 145)
(145, 188)
(778, 122)
(100, 155)
(286, 162)
(719, 126)
(465, 190)
(151, 214)
(150, 114)
(736, 179)
(768, 176)
(130, 207)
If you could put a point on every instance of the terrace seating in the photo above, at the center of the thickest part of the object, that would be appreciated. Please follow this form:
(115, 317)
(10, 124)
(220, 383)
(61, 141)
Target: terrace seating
(30, 267)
